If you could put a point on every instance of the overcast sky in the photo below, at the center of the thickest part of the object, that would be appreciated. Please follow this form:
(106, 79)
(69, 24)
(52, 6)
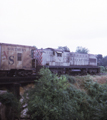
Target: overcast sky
(53, 23)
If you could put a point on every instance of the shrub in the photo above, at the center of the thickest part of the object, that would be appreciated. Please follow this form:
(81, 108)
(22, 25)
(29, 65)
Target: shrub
(71, 79)
(49, 100)
(55, 98)
(102, 69)
(99, 94)
(12, 105)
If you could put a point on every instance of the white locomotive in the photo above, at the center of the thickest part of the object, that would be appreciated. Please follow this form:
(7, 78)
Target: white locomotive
(63, 61)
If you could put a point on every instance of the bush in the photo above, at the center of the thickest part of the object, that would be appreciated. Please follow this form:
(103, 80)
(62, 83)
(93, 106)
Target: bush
(102, 69)
(49, 100)
(71, 79)
(12, 105)
(55, 98)
(99, 94)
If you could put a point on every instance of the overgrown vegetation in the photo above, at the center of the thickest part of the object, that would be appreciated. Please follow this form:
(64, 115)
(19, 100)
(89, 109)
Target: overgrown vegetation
(12, 105)
(57, 98)
(103, 69)
(104, 61)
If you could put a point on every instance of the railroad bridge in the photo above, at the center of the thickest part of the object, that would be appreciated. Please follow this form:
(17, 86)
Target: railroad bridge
(13, 84)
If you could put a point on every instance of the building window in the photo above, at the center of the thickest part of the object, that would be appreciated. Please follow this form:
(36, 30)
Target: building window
(19, 56)
(59, 54)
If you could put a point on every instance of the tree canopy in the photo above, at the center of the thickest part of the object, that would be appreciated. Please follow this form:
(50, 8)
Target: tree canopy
(104, 61)
(83, 50)
(65, 48)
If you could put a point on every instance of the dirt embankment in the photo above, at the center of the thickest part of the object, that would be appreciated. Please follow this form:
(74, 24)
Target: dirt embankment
(100, 79)
(79, 80)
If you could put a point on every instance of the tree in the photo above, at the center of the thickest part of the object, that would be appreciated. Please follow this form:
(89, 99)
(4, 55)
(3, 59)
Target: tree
(104, 61)
(54, 98)
(49, 99)
(65, 48)
(99, 59)
(10, 106)
(83, 50)
(35, 47)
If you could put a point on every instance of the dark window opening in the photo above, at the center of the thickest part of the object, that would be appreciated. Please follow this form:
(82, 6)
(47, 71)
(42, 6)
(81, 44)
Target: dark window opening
(92, 60)
(19, 56)
(32, 53)
(59, 54)
(33, 63)
(47, 63)
(53, 52)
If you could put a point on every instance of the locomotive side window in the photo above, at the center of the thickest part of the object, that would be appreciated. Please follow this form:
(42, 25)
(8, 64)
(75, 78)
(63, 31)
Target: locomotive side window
(19, 56)
(59, 54)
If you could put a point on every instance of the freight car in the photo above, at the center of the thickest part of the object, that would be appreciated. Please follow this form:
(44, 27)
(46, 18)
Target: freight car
(16, 60)
(66, 62)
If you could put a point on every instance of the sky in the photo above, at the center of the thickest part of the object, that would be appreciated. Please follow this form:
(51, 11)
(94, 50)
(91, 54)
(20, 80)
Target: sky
(53, 23)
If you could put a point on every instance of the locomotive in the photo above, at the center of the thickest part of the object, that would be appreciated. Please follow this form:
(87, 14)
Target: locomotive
(66, 62)
(20, 60)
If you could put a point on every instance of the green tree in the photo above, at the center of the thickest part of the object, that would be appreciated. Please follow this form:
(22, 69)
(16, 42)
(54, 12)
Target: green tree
(104, 61)
(12, 105)
(54, 98)
(82, 50)
(65, 48)
(35, 47)
(49, 100)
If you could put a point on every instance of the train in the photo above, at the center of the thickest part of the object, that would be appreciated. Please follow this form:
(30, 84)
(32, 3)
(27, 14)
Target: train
(22, 60)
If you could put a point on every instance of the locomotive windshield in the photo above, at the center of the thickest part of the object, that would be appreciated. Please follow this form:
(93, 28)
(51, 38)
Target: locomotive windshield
(59, 54)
